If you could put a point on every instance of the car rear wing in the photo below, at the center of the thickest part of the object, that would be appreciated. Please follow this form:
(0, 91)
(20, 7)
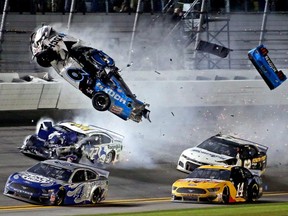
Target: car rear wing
(114, 134)
(261, 147)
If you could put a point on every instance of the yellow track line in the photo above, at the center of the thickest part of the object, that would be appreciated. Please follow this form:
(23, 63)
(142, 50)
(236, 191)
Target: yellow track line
(162, 199)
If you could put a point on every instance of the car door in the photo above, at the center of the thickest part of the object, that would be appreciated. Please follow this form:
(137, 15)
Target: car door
(77, 190)
(240, 181)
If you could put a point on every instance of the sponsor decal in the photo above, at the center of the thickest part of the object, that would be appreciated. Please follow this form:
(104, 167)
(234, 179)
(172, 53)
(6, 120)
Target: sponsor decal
(256, 160)
(114, 146)
(116, 109)
(210, 154)
(111, 93)
(35, 178)
(270, 63)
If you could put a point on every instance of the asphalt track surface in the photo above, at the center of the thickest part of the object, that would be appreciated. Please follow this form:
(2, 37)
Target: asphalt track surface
(132, 188)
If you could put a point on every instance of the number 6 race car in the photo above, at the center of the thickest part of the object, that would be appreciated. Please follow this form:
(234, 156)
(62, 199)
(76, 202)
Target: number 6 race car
(85, 68)
(264, 65)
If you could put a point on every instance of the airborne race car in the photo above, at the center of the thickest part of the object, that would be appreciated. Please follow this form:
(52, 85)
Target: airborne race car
(73, 141)
(266, 68)
(85, 68)
(55, 182)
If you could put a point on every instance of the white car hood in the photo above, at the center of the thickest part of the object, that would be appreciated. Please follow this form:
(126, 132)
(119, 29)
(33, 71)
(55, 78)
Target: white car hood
(203, 156)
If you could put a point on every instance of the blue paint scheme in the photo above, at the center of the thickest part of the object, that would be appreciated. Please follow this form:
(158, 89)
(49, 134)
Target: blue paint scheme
(268, 71)
(36, 187)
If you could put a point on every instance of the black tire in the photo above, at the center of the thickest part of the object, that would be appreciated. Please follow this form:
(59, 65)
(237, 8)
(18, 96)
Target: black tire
(101, 101)
(60, 196)
(226, 195)
(96, 196)
(45, 57)
(109, 158)
(253, 193)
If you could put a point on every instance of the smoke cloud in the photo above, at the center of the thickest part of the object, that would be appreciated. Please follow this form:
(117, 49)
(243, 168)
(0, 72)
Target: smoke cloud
(174, 129)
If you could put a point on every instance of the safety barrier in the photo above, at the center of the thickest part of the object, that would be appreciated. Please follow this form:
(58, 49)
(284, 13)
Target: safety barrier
(171, 92)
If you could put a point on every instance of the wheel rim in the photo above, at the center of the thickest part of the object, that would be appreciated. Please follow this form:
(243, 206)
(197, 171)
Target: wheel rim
(101, 101)
(109, 158)
(254, 193)
(95, 197)
(60, 198)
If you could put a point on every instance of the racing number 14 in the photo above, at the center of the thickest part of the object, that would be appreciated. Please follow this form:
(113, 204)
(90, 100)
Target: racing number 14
(240, 189)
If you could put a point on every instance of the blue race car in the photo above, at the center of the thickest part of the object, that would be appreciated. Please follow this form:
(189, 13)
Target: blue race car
(264, 65)
(55, 182)
(86, 69)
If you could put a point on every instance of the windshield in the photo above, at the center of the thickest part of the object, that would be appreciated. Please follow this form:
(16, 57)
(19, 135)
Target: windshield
(219, 146)
(51, 171)
(218, 174)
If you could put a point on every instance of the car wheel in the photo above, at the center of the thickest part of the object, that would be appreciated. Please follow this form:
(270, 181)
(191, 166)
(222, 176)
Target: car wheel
(45, 57)
(96, 196)
(109, 158)
(253, 193)
(226, 195)
(101, 101)
(60, 196)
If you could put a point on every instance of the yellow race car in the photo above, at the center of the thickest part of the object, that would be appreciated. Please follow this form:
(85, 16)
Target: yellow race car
(218, 183)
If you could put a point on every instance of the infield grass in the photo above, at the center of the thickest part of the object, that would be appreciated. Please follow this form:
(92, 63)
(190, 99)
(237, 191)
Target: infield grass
(271, 209)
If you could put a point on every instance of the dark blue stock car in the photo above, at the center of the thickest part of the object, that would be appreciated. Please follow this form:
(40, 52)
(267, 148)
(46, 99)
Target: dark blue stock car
(55, 182)
(264, 65)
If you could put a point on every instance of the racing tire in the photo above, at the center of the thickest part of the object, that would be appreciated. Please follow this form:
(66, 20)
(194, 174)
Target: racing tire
(45, 57)
(59, 197)
(101, 101)
(253, 193)
(226, 195)
(96, 196)
(109, 158)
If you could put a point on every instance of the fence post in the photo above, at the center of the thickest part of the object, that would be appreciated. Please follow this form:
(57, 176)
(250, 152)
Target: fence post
(134, 30)
(263, 27)
(3, 22)
(70, 14)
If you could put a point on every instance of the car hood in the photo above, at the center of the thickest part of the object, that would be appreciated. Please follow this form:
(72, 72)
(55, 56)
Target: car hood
(198, 183)
(205, 157)
(28, 178)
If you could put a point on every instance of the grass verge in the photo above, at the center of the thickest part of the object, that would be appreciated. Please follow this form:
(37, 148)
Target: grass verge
(271, 209)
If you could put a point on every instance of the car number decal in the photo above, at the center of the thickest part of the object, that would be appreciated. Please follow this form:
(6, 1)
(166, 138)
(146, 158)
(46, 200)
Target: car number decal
(240, 189)
(76, 74)
(81, 126)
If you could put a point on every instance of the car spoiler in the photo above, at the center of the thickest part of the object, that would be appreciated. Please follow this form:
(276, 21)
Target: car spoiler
(115, 135)
(261, 147)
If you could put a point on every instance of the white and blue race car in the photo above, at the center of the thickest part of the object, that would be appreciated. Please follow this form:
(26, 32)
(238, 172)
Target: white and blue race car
(85, 68)
(56, 182)
(73, 140)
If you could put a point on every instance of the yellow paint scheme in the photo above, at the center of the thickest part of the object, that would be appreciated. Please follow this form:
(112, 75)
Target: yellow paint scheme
(256, 160)
(205, 184)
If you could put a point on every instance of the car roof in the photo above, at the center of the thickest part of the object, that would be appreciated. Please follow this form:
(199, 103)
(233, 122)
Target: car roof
(88, 129)
(73, 166)
(239, 141)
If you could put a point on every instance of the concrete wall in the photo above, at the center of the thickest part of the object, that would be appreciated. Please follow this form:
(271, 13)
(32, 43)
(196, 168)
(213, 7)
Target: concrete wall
(171, 92)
